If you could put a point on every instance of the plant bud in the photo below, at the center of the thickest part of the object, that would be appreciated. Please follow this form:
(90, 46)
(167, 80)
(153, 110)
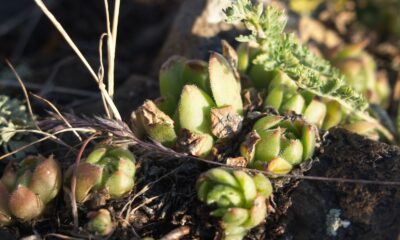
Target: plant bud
(292, 151)
(260, 77)
(274, 98)
(243, 57)
(363, 128)
(269, 145)
(158, 125)
(100, 222)
(263, 185)
(235, 216)
(279, 166)
(25, 204)
(170, 77)
(225, 86)
(267, 122)
(196, 72)
(196, 144)
(282, 79)
(281, 144)
(88, 177)
(194, 110)
(27, 187)
(308, 139)
(239, 199)
(46, 180)
(106, 169)
(247, 184)
(295, 103)
(333, 115)
(258, 212)
(315, 112)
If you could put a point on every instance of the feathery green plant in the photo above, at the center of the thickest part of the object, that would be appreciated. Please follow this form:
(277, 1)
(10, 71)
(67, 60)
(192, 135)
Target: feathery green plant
(280, 50)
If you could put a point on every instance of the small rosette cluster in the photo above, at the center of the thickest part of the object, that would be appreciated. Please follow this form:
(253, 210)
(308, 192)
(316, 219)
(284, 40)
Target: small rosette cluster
(238, 198)
(100, 222)
(360, 70)
(283, 94)
(107, 171)
(200, 103)
(277, 144)
(27, 187)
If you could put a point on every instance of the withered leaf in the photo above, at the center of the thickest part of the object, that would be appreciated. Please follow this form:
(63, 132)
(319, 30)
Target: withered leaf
(248, 147)
(252, 99)
(195, 144)
(230, 54)
(237, 162)
(151, 115)
(225, 122)
(158, 125)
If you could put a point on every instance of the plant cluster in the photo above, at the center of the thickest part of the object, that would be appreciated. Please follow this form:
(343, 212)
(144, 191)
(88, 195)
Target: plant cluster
(238, 198)
(359, 69)
(107, 171)
(27, 187)
(200, 104)
(277, 144)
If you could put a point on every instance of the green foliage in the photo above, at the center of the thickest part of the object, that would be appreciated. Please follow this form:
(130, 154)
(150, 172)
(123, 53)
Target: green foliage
(14, 116)
(282, 51)
(238, 198)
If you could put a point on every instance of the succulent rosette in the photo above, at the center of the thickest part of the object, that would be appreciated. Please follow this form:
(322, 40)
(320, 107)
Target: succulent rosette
(100, 222)
(107, 170)
(27, 187)
(200, 103)
(277, 144)
(239, 199)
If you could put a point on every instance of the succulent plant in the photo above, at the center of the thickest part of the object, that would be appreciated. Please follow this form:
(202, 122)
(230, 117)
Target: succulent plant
(359, 69)
(239, 199)
(27, 187)
(201, 102)
(100, 222)
(107, 170)
(285, 96)
(277, 144)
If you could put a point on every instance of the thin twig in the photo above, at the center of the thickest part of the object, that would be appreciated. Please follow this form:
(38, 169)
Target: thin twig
(101, 71)
(114, 45)
(62, 31)
(47, 136)
(59, 114)
(25, 92)
(67, 38)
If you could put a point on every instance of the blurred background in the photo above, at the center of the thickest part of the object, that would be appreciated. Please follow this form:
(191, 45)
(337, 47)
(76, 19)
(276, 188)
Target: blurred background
(152, 30)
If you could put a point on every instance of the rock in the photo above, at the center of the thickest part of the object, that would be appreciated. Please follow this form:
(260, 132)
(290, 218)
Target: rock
(197, 29)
